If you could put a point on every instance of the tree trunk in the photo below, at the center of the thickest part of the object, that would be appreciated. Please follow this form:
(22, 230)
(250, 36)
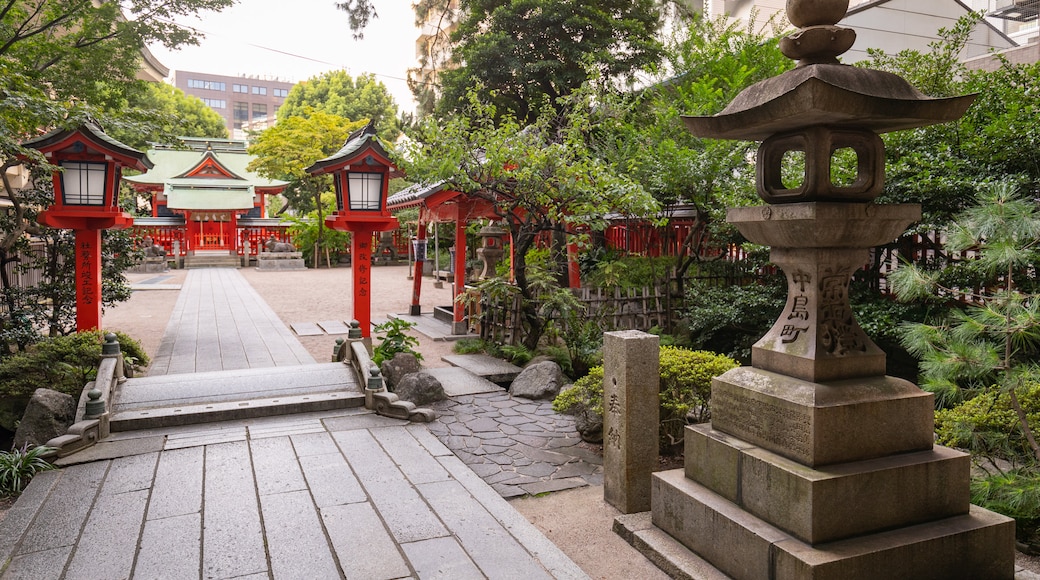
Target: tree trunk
(528, 310)
(1023, 422)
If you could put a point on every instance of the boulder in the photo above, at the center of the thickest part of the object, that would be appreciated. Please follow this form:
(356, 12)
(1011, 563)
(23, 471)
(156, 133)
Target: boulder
(420, 388)
(538, 381)
(397, 368)
(589, 425)
(48, 415)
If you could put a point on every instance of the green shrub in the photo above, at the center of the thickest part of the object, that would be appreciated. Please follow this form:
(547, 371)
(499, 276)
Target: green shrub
(518, 354)
(1015, 494)
(469, 346)
(19, 466)
(686, 388)
(685, 391)
(62, 363)
(587, 392)
(730, 319)
(394, 340)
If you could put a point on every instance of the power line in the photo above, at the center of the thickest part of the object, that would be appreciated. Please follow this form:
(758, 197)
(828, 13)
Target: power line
(278, 51)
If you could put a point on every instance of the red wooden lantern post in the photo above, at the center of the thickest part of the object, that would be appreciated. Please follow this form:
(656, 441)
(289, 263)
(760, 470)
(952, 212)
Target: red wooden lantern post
(86, 200)
(361, 171)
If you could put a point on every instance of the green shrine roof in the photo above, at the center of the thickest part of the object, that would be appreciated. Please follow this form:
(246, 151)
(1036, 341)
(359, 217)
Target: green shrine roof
(212, 178)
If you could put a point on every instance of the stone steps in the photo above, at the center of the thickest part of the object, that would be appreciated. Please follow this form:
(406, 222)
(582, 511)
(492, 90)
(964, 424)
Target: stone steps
(486, 367)
(212, 261)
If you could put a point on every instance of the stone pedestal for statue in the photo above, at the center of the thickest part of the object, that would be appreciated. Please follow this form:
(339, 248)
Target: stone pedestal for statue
(283, 261)
(815, 464)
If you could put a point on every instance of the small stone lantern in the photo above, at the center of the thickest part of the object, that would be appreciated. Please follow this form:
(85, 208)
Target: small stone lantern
(491, 250)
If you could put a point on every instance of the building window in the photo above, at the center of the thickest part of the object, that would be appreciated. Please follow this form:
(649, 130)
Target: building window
(207, 85)
(241, 114)
(240, 88)
(259, 111)
(259, 90)
(281, 93)
(215, 103)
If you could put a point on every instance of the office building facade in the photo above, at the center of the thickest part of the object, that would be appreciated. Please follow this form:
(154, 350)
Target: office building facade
(244, 101)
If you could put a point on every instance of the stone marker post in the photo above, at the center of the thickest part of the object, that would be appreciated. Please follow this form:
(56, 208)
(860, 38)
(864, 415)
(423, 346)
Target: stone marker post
(631, 415)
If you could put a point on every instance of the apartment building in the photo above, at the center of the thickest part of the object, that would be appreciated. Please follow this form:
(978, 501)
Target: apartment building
(244, 101)
(1010, 26)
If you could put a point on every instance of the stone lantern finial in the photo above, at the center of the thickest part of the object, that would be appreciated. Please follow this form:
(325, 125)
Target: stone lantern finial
(819, 40)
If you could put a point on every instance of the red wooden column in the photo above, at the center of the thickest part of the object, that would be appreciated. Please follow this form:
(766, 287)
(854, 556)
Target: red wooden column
(573, 269)
(361, 264)
(416, 309)
(88, 280)
(458, 325)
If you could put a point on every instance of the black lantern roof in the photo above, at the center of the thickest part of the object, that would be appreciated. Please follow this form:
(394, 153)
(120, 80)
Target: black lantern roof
(96, 138)
(360, 144)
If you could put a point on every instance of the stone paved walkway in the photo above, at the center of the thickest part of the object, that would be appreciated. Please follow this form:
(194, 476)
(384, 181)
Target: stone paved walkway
(518, 446)
(221, 323)
(344, 494)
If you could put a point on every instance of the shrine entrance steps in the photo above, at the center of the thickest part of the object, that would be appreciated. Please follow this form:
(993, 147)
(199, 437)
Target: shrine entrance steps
(212, 259)
(185, 399)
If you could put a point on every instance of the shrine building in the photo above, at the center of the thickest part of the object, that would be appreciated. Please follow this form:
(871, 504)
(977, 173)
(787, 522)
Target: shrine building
(203, 199)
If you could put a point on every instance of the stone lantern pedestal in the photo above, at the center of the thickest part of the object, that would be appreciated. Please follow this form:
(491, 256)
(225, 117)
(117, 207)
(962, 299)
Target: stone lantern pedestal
(817, 465)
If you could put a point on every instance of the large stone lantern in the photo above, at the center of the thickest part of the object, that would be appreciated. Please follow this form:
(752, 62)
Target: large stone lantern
(816, 464)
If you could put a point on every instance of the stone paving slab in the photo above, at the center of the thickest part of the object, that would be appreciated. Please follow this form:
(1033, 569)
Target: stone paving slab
(493, 369)
(221, 323)
(364, 501)
(334, 326)
(431, 327)
(458, 381)
(306, 329)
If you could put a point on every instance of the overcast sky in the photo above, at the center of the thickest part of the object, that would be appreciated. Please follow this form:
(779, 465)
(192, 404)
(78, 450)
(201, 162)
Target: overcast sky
(297, 40)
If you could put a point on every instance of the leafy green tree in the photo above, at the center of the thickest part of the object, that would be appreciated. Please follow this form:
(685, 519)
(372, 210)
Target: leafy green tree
(336, 93)
(160, 113)
(286, 150)
(706, 64)
(528, 54)
(943, 166)
(63, 62)
(540, 177)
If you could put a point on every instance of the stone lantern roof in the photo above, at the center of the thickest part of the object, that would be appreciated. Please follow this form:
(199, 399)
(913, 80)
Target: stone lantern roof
(836, 95)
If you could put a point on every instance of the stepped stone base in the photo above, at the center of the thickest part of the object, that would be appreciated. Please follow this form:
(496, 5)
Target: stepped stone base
(978, 544)
(835, 502)
(280, 261)
(819, 424)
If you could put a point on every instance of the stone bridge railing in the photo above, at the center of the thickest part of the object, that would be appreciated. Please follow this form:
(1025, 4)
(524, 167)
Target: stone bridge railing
(354, 351)
(93, 411)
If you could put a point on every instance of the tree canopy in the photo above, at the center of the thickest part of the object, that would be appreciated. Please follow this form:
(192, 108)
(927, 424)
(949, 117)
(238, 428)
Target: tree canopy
(944, 166)
(532, 52)
(160, 113)
(287, 149)
(336, 93)
(63, 62)
(540, 177)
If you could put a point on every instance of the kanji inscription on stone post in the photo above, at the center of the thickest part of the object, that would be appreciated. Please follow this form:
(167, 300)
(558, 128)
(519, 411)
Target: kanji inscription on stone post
(631, 379)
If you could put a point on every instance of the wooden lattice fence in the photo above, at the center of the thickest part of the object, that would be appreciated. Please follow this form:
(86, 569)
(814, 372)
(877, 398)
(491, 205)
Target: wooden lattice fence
(499, 319)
